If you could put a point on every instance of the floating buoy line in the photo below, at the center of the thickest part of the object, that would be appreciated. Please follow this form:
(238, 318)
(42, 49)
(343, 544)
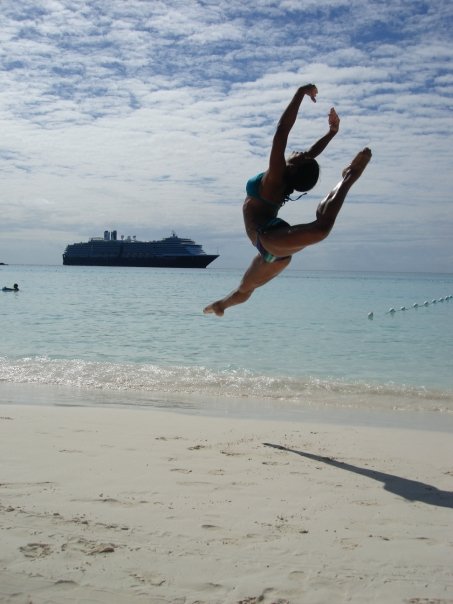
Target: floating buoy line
(392, 311)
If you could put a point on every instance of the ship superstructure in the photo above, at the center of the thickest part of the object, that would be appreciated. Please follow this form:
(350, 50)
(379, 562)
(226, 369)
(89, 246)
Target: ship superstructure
(172, 252)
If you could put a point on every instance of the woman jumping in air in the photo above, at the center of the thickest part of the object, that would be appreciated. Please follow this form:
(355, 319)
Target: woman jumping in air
(276, 240)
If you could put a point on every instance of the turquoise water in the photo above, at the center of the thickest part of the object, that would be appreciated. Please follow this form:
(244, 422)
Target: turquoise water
(139, 336)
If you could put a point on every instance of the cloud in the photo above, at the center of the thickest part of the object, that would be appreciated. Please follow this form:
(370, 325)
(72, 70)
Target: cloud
(121, 115)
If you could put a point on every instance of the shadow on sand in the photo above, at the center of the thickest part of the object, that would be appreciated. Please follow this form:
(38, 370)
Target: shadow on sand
(412, 490)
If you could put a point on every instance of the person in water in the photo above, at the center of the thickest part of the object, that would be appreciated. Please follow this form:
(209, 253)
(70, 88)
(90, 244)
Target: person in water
(14, 288)
(276, 240)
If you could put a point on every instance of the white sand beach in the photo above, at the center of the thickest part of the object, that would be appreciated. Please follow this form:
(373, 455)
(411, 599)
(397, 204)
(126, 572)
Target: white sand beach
(102, 505)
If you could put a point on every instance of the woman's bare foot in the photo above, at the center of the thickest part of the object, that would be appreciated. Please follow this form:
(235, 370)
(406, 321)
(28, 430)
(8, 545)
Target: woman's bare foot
(215, 308)
(358, 165)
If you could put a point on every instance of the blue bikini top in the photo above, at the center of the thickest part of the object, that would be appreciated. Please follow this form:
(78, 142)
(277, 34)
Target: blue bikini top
(253, 190)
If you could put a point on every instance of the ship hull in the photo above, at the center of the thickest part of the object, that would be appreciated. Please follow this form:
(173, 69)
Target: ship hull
(170, 252)
(201, 261)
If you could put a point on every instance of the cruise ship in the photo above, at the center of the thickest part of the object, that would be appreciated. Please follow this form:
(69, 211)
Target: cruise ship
(171, 252)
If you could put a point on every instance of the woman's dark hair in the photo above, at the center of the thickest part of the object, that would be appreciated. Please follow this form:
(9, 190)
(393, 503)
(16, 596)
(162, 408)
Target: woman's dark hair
(306, 176)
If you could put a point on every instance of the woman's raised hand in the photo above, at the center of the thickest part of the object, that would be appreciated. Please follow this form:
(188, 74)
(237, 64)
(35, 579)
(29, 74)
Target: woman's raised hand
(334, 121)
(311, 90)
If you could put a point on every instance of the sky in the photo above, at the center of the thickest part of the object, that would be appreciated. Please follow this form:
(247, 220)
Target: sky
(149, 117)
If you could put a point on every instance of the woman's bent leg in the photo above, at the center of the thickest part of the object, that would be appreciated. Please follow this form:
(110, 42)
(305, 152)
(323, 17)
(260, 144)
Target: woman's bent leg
(258, 273)
(289, 240)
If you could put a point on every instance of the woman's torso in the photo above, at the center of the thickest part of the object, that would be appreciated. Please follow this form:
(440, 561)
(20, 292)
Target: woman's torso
(257, 209)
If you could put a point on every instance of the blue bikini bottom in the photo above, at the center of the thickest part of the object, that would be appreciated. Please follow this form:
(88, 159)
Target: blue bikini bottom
(272, 224)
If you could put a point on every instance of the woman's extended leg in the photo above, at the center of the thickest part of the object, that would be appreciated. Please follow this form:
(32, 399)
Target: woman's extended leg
(289, 240)
(258, 273)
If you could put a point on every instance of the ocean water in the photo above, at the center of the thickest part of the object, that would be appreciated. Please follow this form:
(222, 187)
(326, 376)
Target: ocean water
(137, 336)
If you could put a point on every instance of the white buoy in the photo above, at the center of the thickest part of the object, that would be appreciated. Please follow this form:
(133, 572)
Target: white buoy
(415, 305)
(391, 311)
(370, 315)
(403, 308)
(426, 303)
(434, 301)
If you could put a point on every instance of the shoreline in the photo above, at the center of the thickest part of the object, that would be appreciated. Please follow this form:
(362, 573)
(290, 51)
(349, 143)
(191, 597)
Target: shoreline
(349, 410)
(118, 505)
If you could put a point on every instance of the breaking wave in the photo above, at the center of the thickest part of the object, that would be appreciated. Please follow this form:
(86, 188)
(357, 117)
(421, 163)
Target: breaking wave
(177, 382)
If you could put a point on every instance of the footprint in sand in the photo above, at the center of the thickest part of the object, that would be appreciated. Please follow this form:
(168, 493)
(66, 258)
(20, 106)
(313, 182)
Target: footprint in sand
(36, 550)
(168, 438)
(231, 453)
(347, 543)
(257, 599)
(275, 463)
(90, 548)
(429, 601)
(151, 578)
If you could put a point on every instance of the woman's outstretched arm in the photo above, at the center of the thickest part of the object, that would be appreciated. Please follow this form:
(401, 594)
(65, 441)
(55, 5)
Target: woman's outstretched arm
(334, 126)
(277, 162)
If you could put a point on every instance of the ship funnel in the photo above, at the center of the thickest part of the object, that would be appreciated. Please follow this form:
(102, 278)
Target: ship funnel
(106, 236)
(113, 235)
